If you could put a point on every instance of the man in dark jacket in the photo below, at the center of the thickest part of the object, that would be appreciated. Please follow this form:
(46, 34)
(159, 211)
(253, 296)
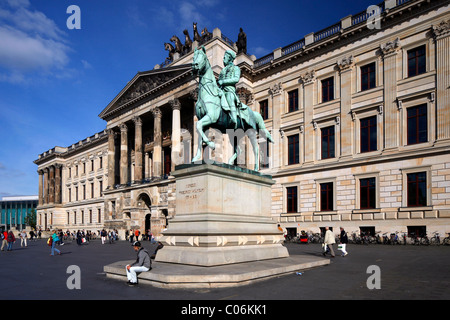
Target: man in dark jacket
(143, 264)
(343, 239)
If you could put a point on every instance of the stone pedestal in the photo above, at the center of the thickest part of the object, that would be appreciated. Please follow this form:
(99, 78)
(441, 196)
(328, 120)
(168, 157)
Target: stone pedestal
(223, 217)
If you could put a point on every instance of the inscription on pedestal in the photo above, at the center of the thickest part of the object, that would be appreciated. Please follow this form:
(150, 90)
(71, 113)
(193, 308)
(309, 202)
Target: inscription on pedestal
(191, 191)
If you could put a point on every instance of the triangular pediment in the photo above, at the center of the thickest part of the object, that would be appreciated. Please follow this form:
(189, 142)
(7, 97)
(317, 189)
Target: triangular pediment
(144, 85)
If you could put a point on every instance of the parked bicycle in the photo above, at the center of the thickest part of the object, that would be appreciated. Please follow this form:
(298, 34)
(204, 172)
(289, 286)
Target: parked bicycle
(446, 240)
(435, 239)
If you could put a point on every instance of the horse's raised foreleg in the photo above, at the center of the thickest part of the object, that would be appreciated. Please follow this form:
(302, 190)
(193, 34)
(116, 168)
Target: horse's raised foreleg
(203, 122)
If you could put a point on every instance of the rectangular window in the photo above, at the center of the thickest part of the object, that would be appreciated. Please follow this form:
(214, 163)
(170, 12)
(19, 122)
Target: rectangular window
(417, 61)
(92, 190)
(99, 215)
(417, 189)
(367, 193)
(293, 150)
(293, 100)
(291, 195)
(326, 196)
(101, 163)
(368, 76)
(369, 134)
(327, 145)
(264, 109)
(70, 194)
(417, 124)
(328, 89)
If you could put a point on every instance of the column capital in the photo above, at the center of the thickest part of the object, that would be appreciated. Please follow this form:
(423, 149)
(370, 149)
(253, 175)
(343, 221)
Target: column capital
(175, 104)
(157, 112)
(123, 127)
(40, 172)
(345, 63)
(137, 121)
(111, 132)
(442, 30)
(276, 89)
(308, 78)
(390, 48)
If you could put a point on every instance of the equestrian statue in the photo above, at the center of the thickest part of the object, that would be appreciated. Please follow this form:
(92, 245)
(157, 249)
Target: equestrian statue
(219, 107)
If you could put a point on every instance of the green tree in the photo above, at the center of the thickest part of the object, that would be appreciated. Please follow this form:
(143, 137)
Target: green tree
(30, 219)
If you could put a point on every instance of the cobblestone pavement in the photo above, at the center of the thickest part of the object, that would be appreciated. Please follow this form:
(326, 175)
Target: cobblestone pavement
(406, 272)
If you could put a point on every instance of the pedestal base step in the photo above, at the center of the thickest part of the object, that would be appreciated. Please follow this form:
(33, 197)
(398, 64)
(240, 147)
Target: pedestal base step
(170, 275)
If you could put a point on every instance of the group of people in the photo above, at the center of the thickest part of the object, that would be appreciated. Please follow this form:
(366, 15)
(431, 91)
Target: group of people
(112, 236)
(329, 240)
(133, 235)
(8, 238)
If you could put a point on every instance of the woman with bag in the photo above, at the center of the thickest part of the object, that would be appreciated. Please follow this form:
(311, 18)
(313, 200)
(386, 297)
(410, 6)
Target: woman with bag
(55, 238)
(343, 239)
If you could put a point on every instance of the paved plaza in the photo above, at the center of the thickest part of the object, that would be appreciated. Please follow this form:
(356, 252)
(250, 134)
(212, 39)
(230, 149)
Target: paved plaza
(406, 272)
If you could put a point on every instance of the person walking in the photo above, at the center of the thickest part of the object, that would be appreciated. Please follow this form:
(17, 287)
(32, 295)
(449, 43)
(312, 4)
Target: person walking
(3, 236)
(10, 239)
(329, 241)
(23, 238)
(343, 239)
(55, 239)
(143, 264)
(103, 235)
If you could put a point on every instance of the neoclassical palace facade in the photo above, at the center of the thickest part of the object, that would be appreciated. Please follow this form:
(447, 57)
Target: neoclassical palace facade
(359, 111)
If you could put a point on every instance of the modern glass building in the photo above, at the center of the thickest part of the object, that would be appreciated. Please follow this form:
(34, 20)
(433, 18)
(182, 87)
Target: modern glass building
(14, 210)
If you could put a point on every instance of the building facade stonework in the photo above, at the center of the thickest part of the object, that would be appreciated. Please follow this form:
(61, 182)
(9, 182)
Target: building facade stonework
(360, 117)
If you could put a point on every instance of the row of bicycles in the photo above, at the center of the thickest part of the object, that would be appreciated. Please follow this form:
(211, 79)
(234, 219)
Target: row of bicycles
(398, 238)
(395, 238)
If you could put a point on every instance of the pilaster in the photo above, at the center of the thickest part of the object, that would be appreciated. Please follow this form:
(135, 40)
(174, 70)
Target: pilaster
(308, 81)
(345, 67)
(277, 106)
(391, 112)
(441, 34)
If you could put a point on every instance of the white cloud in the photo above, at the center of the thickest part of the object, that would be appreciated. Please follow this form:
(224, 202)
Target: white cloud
(22, 52)
(30, 42)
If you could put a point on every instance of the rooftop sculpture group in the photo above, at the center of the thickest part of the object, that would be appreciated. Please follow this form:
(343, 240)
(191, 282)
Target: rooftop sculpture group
(181, 49)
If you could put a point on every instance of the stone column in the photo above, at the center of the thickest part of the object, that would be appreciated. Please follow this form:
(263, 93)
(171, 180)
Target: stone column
(58, 183)
(277, 106)
(176, 133)
(46, 186)
(41, 187)
(138, 149)
(111, 158)
(157, 143)
(308, 93)
(123, 154)
(345, 67)
(51, 189)
(147, 166)
(442, 39)
(391, 111)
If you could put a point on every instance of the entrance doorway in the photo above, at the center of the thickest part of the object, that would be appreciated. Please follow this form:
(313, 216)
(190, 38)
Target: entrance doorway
(148, 224)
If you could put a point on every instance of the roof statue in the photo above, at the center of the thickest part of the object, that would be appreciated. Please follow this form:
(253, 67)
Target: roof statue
(242, 42)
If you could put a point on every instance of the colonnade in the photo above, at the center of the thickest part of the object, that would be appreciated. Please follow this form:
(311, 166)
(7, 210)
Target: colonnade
(50, 191)
(142, 167)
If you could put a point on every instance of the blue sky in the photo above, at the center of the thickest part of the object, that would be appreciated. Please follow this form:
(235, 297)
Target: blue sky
(55, 81)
